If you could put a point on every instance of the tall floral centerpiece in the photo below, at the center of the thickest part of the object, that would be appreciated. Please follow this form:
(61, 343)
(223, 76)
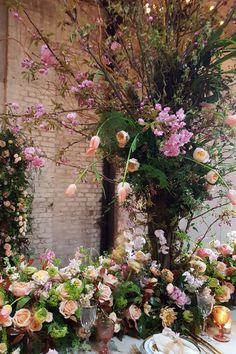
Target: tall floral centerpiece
(153, 73)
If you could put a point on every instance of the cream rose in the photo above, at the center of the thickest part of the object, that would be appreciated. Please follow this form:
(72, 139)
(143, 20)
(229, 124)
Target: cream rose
(122, 138)
(212, 177)
(68, 308)
(133, 165)
(201, 155)
(41, 277)
(134, 312)
(199, 266)
(3, 348)
(62, 292)
(221, 267)
(19, 289)
(91, 272)
(113, 317)
(105, 293)
(22, 318)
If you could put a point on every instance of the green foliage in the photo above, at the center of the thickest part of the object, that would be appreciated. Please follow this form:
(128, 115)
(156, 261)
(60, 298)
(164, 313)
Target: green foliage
(126, 293)
(15, 200)
(57, 330)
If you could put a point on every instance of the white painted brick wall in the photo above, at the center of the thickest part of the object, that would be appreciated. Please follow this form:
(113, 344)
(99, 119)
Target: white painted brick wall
(60, 223)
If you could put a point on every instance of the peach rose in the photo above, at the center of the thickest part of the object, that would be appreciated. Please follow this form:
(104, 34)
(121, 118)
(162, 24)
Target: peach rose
(22, 318)
(35, 326)
(212, 177)
(19, 289)
(230, 270)
(71, 190)
(230, 286)
(231, 120)
(225, 295)
(155, 271)
(133, 165)
(133, 313)
(225, 249)
(123, 190)
(232, 196)
(93, 145)
(201, 155)
(41, 277)
(105, 293)
(122, 138)
(68, 308)
(91, 272)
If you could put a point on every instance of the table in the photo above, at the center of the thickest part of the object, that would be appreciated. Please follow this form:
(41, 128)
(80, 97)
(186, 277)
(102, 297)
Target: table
(125, 345)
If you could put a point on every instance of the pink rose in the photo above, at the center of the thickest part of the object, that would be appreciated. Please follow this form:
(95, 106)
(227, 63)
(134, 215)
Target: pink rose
(230, 270)
(115, 45)
(93, 145)
(71, 190)
(202, 253)
(68, 308)
(19, 289)
(232, 196)
(110, 279)
(231, 120)
(225, 249)
(105, 293)
(133, 313)
(22, 318)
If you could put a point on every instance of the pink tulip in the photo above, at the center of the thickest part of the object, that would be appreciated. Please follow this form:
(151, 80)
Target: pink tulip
(71, 190)
(123, 189)
(232, 196)
(231, 120)
(93, 145)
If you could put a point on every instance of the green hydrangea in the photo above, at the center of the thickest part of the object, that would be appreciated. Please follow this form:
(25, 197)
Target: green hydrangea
(188, 316)
(57, 330)
(41, 314)
(52, 271)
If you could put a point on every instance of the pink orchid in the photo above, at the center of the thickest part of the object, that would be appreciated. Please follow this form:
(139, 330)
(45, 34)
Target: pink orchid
(93, 145)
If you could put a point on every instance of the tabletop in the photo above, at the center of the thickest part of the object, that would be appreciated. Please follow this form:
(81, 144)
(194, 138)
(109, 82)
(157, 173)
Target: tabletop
(124, 346)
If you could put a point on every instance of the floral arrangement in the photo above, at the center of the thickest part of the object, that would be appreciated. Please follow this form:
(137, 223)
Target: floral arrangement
(40, 307)
(16, 159)
(154, 75)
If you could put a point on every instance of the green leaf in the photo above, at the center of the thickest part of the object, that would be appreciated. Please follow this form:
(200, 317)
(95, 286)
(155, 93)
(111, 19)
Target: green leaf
(155, 173)
(22, 302)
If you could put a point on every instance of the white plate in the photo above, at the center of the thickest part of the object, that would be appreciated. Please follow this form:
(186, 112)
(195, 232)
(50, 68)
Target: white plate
(149, 346)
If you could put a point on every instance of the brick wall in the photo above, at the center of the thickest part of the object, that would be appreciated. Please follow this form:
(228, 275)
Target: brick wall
(59, 223)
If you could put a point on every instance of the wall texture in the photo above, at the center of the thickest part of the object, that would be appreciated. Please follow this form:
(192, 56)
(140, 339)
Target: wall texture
(59, 223)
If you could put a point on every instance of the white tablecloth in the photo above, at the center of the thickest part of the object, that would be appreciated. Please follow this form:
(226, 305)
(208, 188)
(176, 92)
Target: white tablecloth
(125, 345)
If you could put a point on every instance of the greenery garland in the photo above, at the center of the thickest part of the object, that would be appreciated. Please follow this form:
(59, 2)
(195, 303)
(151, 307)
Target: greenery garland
(15, 196)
